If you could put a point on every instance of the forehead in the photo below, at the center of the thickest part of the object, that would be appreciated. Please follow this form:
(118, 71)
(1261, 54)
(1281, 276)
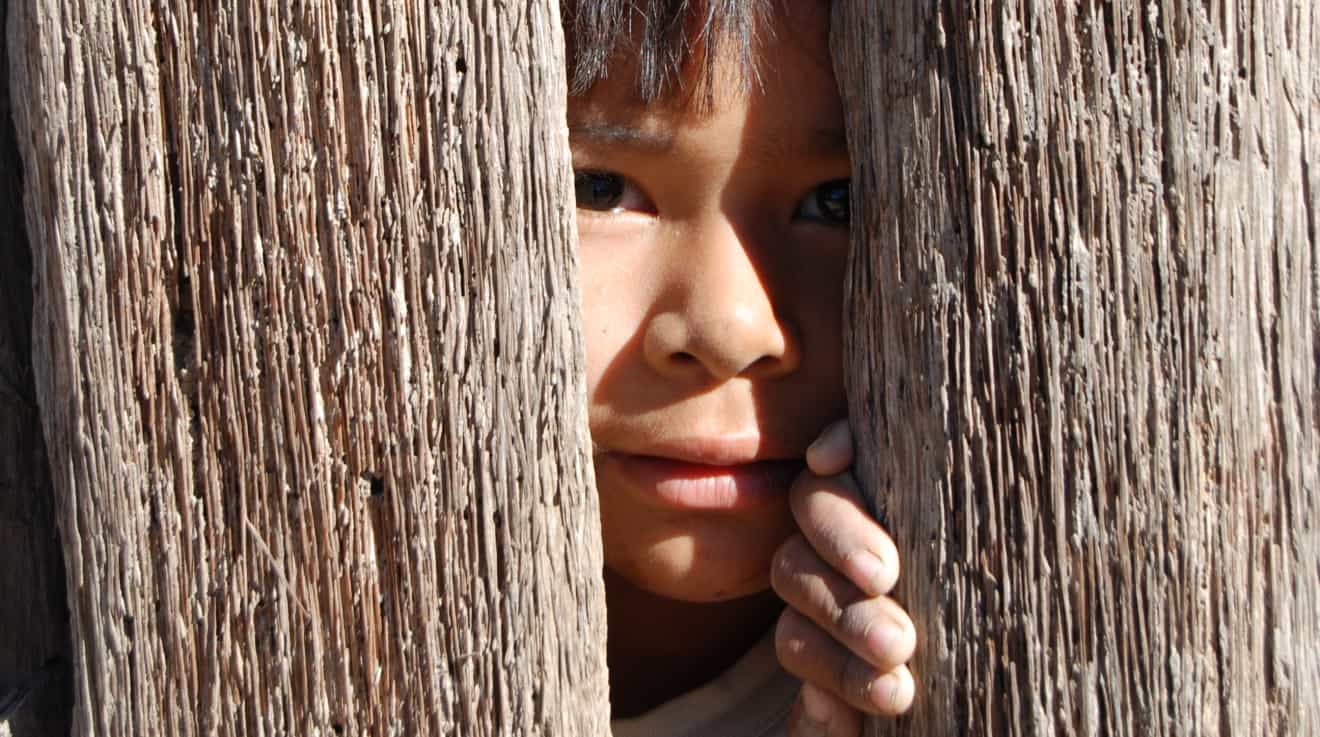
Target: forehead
(788, 100)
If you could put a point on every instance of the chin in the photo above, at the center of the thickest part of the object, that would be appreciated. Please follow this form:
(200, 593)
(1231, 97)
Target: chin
(699, 566)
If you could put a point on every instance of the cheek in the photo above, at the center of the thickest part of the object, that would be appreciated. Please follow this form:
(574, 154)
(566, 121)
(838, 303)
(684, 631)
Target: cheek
(814, 287)
(595, 336)
(613, 304)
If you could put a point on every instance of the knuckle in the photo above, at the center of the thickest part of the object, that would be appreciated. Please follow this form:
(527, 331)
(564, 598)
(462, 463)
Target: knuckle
(829, 537)
(833, 524)
(855, 678)
(853, 622)
(800, 494)
(787, 563)
(789, 640)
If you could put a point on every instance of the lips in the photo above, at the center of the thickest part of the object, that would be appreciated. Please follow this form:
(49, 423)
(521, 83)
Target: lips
(728, 473)
(695, 486)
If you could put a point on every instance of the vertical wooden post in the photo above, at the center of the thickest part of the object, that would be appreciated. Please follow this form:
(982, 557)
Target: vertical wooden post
(1086, 293)
(308, 364)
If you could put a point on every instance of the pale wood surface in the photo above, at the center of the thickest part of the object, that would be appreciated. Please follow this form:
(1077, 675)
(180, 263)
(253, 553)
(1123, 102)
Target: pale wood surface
(307, 365)
(1087, 331)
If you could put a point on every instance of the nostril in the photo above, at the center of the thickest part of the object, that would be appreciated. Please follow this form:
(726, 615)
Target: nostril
(684, 357)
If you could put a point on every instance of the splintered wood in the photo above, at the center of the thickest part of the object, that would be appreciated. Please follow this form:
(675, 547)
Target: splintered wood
(1084, 367)
(309, 368)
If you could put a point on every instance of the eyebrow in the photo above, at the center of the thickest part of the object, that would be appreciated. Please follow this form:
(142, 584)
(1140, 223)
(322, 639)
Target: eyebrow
(819, 142)
(613, 134)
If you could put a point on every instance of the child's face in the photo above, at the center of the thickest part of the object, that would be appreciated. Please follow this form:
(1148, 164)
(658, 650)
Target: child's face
(712, 251)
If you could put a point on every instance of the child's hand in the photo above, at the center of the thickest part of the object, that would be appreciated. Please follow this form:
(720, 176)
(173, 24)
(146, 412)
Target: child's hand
(840, 634)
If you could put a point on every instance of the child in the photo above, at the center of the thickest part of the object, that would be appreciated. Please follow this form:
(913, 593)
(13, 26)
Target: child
(711, 173)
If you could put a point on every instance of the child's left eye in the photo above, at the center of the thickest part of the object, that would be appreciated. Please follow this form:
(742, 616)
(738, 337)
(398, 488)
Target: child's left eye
(605, 191)
(828, 204)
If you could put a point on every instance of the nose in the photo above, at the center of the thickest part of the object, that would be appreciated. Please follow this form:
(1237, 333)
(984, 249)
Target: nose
(719, 319)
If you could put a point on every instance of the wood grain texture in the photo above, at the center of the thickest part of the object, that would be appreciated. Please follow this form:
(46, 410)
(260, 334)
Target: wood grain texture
(308, 365)
(1086, 294)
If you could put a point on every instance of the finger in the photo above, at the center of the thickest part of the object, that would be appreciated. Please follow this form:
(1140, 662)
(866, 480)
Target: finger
(832, 451)
(809, 653)
(831, 514)
(819, 713)
(875, 629)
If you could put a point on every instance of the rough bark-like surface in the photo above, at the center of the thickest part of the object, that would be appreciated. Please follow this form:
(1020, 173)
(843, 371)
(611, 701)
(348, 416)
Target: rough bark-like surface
(308, 368)
(34, 620)
(1084, 373)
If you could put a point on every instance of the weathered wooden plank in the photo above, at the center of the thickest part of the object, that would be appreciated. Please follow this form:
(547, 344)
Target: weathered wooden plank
(308, 366)
(1088, 294)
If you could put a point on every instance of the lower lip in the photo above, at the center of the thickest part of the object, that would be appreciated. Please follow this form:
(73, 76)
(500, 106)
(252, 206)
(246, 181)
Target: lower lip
(685, 485)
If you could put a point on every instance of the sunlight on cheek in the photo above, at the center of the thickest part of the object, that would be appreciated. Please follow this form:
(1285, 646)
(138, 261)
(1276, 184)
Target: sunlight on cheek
(615, 280)
(605, 330)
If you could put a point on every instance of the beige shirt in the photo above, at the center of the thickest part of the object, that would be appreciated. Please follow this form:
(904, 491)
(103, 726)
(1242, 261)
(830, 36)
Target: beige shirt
(750, 699)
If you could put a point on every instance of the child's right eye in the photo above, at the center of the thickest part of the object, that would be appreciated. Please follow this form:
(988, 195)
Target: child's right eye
(605, 192)
(827, 203)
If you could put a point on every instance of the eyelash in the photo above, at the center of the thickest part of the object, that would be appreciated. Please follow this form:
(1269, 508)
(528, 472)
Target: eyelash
(585, 180)
(615, 193)
(836, 212)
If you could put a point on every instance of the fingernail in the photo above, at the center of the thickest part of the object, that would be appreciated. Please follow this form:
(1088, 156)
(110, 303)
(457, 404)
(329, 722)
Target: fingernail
(883, 692)
(875, 577)
(883, 639)
(830, 437)
(829, 453)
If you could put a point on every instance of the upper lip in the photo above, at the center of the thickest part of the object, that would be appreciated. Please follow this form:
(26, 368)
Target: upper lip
(718, 450)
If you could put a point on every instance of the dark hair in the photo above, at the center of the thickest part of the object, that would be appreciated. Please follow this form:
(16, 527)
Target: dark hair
(663, 37)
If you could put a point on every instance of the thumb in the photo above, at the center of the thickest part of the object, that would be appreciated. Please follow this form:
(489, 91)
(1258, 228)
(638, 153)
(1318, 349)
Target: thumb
(833, 450)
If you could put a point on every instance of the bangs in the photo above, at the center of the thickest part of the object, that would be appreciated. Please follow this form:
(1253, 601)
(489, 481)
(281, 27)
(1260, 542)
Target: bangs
(662, 40)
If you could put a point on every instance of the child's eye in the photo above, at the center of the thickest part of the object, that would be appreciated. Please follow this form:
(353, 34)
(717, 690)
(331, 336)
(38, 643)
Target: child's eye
(827, 203)
(605, 192)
